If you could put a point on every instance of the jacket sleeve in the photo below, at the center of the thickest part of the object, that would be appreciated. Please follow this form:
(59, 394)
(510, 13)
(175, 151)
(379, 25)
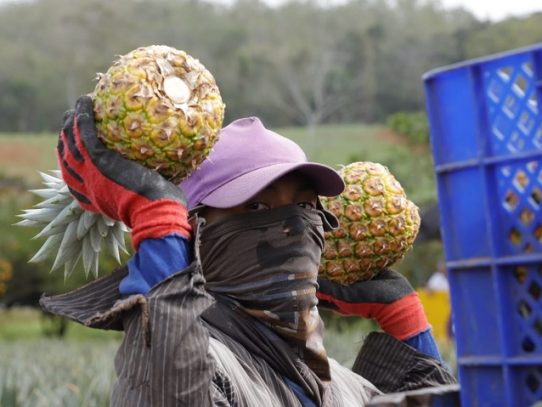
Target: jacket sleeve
(164, 357)
(167, 363)
(393, 366)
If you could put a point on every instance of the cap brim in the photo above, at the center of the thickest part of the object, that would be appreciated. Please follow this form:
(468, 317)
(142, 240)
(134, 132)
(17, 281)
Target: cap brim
(325, 180)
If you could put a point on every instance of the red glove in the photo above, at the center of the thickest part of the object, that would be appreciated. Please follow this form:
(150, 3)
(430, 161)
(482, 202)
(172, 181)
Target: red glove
(103, 181)
(388, 298)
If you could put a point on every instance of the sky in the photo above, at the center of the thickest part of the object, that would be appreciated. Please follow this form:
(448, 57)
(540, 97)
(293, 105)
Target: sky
(493, 10)
(496, 10)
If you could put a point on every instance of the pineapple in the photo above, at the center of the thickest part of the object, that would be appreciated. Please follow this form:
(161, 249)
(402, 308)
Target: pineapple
(378, 224)
(161, 107)
(155, 105)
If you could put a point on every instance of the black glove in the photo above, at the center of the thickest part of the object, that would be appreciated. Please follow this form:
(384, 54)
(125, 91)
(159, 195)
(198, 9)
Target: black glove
(388, 298)
(103, 181)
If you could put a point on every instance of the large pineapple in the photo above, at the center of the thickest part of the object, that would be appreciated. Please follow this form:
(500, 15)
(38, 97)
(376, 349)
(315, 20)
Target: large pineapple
(155, 105)
(378, 224)
(161, 107)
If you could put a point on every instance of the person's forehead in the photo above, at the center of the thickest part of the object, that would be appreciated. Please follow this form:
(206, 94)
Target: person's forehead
(293, 180)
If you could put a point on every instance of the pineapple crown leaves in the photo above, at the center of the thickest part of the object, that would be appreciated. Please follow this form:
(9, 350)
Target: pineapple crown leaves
(71, 232)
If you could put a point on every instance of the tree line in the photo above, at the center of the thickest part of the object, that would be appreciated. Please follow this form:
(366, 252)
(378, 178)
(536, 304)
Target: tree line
(302, 63)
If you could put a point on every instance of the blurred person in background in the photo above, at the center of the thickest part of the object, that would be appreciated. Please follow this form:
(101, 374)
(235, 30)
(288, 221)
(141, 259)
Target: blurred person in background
(438, 281)
(438, 285)
(219, 304)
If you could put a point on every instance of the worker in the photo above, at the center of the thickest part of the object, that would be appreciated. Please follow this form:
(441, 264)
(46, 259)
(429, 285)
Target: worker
(219, 304)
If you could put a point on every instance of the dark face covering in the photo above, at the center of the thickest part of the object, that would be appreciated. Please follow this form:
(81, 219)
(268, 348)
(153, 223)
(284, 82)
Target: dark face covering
(267, 262)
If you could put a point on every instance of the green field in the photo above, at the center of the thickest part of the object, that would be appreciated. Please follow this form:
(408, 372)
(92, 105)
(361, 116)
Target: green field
(56, 373)
(41, 371)
(77, 371)
(23, 155)
(26, 324)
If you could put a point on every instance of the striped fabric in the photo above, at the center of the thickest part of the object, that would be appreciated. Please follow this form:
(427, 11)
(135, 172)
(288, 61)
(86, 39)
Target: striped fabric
(170, 357)
(256, 379)
(417, 370)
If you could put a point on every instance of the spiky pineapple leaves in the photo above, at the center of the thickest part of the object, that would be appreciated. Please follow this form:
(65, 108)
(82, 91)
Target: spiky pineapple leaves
(72, 234)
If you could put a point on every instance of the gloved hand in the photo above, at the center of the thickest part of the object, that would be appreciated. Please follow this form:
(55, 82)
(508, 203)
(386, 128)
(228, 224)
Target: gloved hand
(105, 182)
(388, 298)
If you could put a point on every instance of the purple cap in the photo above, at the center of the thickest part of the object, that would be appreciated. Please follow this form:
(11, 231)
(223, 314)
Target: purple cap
(248, 157)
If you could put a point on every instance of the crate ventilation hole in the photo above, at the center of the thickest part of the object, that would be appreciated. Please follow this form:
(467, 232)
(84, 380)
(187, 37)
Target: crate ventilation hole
(532, 292)
(513, 109)
(523, 200)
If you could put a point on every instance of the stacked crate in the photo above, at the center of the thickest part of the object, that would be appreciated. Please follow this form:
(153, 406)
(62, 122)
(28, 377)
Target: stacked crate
(486, 137)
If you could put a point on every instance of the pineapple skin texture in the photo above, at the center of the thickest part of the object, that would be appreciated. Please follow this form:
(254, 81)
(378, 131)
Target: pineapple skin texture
(138, 118)
(378, 225)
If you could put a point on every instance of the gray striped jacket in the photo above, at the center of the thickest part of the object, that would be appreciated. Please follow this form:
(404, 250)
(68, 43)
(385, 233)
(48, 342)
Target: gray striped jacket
(167, 357)
(170, 357)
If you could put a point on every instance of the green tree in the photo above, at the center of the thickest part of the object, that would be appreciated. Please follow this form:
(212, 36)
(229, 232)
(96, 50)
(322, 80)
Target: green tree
(509, 34)
(305, 62)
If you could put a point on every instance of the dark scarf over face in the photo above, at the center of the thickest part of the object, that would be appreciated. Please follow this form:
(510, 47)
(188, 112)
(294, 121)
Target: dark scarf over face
(267, 263)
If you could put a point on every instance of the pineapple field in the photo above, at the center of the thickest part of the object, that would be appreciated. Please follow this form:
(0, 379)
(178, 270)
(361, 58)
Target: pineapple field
(77, 371)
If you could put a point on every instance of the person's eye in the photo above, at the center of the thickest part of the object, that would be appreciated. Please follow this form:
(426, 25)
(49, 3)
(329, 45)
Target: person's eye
(256, 206)
(307, 204)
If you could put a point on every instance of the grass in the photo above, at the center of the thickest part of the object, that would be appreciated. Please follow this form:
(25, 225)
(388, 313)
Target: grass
(340, 144)
(51, 372)
(78, 370)
(26, 324)
(336, 144)
(39, 371)
(48, 372)
(23, 155)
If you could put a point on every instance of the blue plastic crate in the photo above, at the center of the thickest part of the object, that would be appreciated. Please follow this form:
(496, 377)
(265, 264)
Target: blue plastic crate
(486, 136)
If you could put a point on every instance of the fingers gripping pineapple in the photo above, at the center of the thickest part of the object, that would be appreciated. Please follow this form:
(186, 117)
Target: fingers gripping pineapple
(378, 224)
(152, 119)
